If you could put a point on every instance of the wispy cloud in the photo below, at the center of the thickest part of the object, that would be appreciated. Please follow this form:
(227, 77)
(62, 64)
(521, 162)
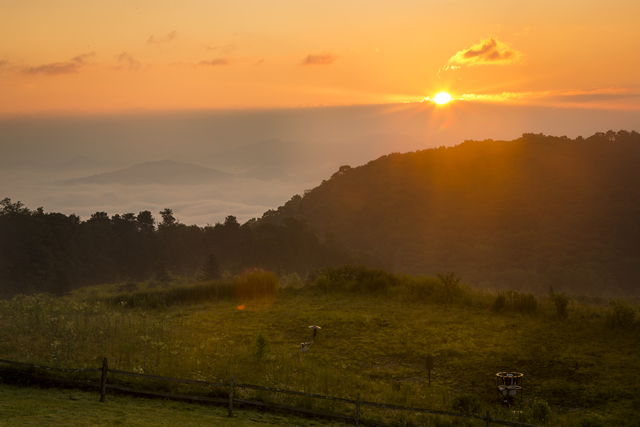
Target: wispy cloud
(216, 62)
(128, 61)
(226, 49)
(3, 62)
(490, 51)
(163, 39)
(322, 59)
(58, 68)
(580, 98)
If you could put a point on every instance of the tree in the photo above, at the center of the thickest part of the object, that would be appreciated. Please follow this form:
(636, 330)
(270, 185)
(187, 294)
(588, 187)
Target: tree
(211, 269)
(168, 219)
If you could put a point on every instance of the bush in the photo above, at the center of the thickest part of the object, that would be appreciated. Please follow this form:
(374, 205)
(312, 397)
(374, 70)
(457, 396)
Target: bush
(561, 302)
(515, 301)
(592, 420)
(540, 411)
(621, 314)
(354, 278)
(260, 346)
(467, 403)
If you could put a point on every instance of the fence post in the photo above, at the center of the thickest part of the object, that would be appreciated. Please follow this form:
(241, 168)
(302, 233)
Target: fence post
(488, 418)
(103, 384)
(357, 417)
(231, 389)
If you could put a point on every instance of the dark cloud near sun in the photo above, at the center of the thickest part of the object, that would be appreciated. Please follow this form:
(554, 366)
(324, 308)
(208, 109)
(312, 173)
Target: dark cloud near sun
(489, 51)
(59, 68)
(216, 62)
(593, 96)
(127, 61)
(322, 59)
(163, 39)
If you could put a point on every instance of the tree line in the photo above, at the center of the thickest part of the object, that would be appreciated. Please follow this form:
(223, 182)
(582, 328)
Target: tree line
(53, 252)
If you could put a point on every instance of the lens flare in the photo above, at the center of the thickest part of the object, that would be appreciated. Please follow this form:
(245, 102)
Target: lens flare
(442, 98)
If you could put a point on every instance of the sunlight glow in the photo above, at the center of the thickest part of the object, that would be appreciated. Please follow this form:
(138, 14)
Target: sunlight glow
(442, 98)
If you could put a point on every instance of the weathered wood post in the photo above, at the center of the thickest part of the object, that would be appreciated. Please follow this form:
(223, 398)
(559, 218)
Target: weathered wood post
(231, 390)
(103, 384)
(357, 417)
(488, 418)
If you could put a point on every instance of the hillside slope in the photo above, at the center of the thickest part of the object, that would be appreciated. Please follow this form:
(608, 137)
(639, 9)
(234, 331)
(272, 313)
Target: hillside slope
(530, 213)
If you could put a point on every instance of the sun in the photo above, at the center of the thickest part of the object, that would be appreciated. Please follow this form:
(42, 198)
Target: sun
(442, 98)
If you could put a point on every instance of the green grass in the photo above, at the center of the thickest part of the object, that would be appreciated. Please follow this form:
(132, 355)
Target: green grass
(28, 406)
(376, 333)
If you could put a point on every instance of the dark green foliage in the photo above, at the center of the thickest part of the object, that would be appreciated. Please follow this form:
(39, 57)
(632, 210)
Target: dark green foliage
(211, 269)
(355, 278)
(515, 301)
(260, 346)
(621, 314)
(592, 420)
(466, 403)
(522, 214)
(561, 301)
(163, 275)
(540, 411)
(55, 253)
(160, 298)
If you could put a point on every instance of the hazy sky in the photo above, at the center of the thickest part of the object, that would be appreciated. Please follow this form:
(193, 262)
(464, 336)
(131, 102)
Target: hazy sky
(94, 56)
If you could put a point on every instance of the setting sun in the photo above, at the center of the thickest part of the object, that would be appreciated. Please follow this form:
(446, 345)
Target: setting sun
(442, 98)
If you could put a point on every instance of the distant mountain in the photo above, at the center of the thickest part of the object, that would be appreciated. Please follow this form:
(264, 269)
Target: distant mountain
(527, 214)
(164, 172)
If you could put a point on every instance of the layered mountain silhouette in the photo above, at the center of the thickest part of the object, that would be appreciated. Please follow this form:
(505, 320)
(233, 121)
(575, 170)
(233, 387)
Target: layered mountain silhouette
(164, 172)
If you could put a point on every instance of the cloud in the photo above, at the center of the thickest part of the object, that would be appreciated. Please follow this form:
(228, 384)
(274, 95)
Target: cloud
(128, 61)
(3, 62)
(216, 62)
(581, 98)
(593, 95)
(164, 39)
(323, 59)
(230, 48)
(490, 51)
(57, 68)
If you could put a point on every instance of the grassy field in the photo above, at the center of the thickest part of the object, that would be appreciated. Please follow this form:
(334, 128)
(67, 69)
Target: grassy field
(374, 341)
(28, 406)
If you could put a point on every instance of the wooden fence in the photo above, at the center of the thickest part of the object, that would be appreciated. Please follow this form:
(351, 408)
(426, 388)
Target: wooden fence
(231, 400)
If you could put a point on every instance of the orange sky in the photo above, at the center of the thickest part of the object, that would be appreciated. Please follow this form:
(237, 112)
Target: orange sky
(105, 56)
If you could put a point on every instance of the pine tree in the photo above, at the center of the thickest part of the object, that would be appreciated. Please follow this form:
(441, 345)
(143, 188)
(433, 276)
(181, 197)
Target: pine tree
(211, 269)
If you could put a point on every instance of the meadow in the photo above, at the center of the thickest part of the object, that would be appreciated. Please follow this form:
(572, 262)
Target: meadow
(579, 355)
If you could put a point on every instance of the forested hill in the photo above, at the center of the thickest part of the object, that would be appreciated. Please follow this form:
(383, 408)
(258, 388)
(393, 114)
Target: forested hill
(522, 214)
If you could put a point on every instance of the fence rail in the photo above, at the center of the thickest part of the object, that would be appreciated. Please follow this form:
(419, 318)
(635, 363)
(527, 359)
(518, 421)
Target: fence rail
(231, 386)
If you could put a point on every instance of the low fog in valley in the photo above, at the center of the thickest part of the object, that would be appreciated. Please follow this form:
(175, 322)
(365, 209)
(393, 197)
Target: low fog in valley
(205, 165)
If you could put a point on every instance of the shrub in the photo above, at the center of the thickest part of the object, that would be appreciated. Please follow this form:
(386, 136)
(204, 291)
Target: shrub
(540, 411)
(515, 301)
(592, 420)
(451, 289)
(621, 314)
(353, 278)
(260, 346)
(467, 403)
(561, 301)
